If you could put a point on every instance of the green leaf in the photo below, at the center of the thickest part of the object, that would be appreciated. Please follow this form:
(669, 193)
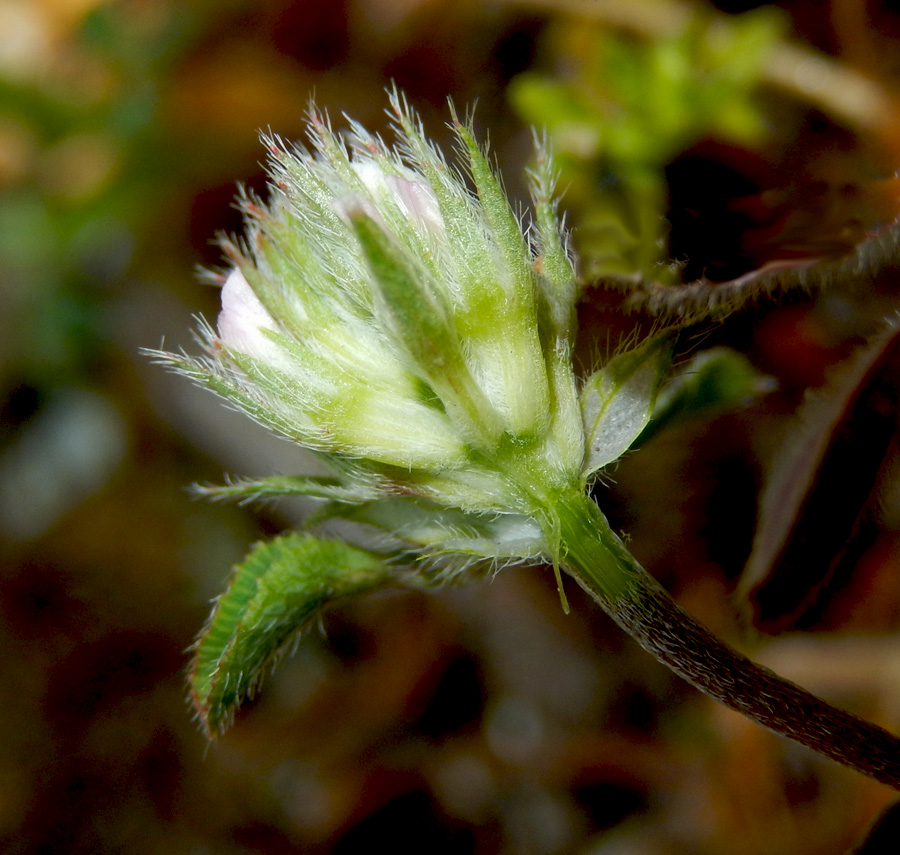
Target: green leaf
(618, 400)
(716, 380)
(278, 588)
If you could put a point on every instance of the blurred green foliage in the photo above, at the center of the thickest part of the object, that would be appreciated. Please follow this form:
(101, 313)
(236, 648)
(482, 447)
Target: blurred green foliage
(88, 167)
(625, 105)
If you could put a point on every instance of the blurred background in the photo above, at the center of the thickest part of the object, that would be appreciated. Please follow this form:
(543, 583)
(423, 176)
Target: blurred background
(479, 719)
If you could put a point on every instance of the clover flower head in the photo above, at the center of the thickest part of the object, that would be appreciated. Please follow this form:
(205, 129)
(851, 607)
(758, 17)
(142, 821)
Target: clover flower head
(386, 309)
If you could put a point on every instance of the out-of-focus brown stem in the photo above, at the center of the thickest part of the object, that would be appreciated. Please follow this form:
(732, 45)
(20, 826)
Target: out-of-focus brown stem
(596, 558)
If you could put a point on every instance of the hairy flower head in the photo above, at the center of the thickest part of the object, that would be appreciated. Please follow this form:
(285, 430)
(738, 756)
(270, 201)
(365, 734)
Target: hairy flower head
(387, 310)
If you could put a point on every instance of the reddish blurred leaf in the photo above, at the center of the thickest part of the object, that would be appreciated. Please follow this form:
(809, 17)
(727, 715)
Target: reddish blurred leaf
(822, 506)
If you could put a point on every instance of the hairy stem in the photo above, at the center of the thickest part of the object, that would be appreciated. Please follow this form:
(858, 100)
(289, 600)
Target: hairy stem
(599, 562)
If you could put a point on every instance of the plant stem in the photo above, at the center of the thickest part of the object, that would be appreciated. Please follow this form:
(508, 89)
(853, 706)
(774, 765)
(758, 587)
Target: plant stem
(597, 559)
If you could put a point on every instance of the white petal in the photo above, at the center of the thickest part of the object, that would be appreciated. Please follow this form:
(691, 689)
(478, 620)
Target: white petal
(242, 319)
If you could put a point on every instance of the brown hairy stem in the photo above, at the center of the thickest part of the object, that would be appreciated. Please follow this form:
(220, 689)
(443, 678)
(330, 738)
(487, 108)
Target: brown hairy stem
(596, 558)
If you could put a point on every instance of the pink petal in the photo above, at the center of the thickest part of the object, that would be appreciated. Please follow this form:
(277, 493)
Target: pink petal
(243, 317)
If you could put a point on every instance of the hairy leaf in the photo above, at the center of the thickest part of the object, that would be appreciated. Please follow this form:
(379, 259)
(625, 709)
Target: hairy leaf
(278, 588)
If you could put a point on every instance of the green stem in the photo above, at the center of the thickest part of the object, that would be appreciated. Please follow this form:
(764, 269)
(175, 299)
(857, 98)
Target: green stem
(596, 558)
